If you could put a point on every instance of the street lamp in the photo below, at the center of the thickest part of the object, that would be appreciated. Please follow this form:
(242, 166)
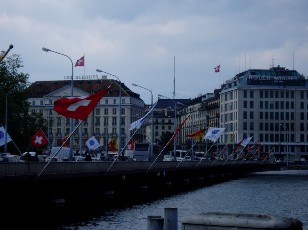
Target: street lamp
(120, 102)
(152, 128)
(72, 91)
(287, 154)
(175, 126)
(6, 109)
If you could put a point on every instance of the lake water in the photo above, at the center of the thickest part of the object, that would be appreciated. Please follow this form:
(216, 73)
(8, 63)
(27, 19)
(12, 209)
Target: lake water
(281, 193)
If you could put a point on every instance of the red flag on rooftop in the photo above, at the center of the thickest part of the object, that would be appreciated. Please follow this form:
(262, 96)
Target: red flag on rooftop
(198, 134)
(177, 130)
(39, 139)
(80, 62)
(217, 69)
(78, 107)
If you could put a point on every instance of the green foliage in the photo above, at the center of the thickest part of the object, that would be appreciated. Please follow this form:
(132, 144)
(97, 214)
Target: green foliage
(164, 138)
(21, 125)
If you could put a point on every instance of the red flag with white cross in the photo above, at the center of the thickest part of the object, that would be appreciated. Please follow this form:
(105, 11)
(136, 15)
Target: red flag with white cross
(78, 107)
(39, 139)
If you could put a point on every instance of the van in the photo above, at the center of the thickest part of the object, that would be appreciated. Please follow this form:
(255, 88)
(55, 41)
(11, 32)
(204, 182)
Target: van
(63, 154)
(142, 152)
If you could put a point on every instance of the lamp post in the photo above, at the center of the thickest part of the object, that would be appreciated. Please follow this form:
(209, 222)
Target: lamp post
(152, 128)
(72, 94)
(120, 102)
(174, 142)
(287, 154)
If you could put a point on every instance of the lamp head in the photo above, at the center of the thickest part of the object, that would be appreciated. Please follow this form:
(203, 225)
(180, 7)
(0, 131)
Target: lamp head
(134, 84)
(45, 49)
(98, 70)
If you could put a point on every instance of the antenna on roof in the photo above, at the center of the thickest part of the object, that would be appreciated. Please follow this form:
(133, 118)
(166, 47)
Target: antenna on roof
(273, 63)
(293, 60)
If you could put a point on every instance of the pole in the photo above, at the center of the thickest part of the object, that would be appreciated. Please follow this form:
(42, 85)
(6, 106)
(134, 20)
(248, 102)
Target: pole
(5, 133)
(152, 125)
(48, 132)
(120, 102)
(175, 124)
(72, 94)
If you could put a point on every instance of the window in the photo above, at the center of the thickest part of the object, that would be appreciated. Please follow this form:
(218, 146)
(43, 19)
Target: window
(114, 111)
(244, 115)
(97, 111)
(251, 104)
(251, 94)
(251, 115)
(245, 104)
(106, 101)
(114, 121)
(106, 111)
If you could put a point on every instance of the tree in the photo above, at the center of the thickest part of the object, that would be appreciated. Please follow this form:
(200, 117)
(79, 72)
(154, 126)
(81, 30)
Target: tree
(164, 138)
(13, 87)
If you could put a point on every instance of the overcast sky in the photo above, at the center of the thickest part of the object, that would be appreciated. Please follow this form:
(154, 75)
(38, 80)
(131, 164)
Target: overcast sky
(151, 43)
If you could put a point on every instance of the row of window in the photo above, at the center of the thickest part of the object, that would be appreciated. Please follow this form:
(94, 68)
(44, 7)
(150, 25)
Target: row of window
(274, 115)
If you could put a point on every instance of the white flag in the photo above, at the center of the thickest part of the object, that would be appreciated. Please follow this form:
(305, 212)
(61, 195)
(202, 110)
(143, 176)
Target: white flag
(246, 141)
(213, 133)
(92, 143)
(2, 136)
(138, 123)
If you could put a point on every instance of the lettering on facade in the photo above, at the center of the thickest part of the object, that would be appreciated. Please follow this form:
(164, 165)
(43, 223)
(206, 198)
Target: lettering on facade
(85, 77)
(273, 80)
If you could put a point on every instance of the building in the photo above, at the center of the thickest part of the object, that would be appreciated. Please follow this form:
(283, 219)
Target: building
(102, 122)
(271, 105)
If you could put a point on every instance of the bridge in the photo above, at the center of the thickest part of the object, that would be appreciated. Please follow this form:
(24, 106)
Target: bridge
(110, 180)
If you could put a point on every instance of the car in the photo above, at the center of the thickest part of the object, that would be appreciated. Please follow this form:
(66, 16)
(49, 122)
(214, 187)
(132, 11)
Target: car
(167, 158)
(187, 158)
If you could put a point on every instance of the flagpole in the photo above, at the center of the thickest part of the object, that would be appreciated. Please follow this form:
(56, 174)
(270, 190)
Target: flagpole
(121, 150)
(248, 152)
(187, 153)
(68, 138)
(223, 149)
(170, 140)
(206, 152)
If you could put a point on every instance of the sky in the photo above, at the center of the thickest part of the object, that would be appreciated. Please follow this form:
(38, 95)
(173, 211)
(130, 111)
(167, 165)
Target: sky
(164, 46)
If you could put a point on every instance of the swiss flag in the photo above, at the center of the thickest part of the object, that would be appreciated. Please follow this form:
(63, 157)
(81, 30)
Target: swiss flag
(217, 69)
(80, 62)
(78, 107)
(39, 139)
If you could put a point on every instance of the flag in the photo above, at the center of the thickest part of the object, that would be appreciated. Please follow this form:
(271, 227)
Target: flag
(238, 144)
(80, 62)
(78, 107)
(2, 137)
(130, 145)
(137, 124)
(39, 139)
(214, 133)
(197, 135)
(246, 141)
(177, 130)
(92, 143)
(217, 69)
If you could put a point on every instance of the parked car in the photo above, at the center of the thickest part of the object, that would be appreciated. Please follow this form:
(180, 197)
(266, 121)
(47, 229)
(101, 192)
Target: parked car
(167, 158)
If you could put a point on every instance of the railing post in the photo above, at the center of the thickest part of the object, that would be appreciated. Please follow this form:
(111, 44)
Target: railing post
(171, 219)
(155, 223)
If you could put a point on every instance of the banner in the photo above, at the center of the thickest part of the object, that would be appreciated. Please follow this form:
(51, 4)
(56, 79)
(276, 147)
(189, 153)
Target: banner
(2, 136)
